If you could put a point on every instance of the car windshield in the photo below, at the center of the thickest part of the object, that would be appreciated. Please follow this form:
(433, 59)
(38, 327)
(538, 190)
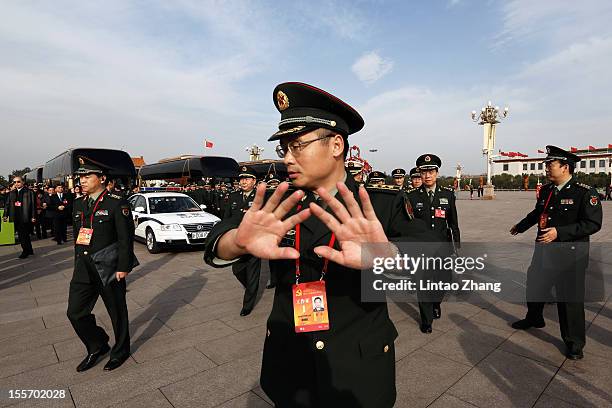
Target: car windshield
(177, 204)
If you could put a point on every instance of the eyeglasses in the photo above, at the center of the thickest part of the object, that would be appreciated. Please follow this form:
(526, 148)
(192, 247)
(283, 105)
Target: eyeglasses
(18, 182)
(296, 147)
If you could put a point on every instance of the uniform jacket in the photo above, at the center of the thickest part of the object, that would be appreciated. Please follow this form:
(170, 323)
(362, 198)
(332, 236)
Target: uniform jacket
(238, 204)
(440, 215)
(28, 205)
(354, 365)
(112, 222)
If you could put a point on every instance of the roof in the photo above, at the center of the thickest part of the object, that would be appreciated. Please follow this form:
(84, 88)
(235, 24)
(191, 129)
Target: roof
(163, 194)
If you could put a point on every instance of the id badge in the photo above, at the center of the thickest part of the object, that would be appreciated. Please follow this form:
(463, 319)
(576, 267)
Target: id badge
(310, 307)
(543, 221)
(439, 213)
(17, 203)
(84, 237)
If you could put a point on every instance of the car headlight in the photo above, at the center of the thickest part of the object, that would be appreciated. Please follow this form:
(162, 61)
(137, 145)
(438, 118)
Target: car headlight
(170, 227)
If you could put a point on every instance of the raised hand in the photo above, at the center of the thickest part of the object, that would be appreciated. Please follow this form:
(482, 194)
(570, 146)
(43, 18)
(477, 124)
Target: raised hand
(353, 228)
(263, 227)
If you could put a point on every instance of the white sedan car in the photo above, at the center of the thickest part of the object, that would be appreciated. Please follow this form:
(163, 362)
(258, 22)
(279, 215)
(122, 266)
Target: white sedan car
(164, 219)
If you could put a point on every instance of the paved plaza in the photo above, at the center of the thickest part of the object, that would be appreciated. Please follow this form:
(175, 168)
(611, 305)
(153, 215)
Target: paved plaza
(190, 347)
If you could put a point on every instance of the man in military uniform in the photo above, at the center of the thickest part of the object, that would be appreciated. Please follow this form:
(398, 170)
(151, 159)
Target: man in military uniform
(104, 249)
(355, 169)
(436, 206)
(399, 175)
(415, 178)
(376, 178)
(566, 211)
(248, 270)
(349, 361)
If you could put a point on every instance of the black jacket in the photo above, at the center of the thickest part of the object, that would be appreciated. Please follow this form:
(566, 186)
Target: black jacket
(55, 203)
(238, 204)
(356, 365)
(112, 222)
(27, 210)
(440, 214)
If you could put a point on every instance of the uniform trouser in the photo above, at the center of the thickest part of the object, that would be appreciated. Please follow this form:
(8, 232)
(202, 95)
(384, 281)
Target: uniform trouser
(59, 228)
(23, 232)
(247, 272)
(85, 288)
(571, 320)
(430, 299)
(569, 289)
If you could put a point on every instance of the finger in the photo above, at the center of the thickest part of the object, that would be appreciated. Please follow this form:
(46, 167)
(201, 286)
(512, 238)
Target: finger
(260, 193)
(329, 220)
(284, 253)
(336, 206)
(349, 200)
(296, 219)
(333, 255)
(366, 204)
(288, 204)
(276, 197)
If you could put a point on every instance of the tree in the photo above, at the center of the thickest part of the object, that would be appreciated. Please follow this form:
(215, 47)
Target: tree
(20, 172)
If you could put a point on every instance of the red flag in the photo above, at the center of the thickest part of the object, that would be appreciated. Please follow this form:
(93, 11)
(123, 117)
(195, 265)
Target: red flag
(208, 144)
(540, 151)
(573, 149)
(511, 154)
(610, 146)
(503, 153)
(591, 147)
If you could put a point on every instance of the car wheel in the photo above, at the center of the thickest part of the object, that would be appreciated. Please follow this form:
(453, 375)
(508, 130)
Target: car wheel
(152, 244)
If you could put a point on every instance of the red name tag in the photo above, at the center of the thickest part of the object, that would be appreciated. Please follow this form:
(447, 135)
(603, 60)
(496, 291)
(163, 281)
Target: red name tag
(439, 213)
(84, 237)
(17, 203)
(310, 307)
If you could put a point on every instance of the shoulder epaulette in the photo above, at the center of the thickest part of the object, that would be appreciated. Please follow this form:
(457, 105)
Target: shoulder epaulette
(584, 185)
(452, 190)
(115, 196)
(410, 190)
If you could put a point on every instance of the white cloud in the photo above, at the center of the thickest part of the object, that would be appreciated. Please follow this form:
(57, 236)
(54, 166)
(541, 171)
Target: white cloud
(370, 67)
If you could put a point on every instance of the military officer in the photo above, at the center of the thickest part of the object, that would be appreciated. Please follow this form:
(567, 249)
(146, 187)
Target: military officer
(376, 178)
(248, 270)
(102, 221)
(343, 356)
(566, 211)
(415, 178)
(436, 206)
(399, 175)
(355, 169)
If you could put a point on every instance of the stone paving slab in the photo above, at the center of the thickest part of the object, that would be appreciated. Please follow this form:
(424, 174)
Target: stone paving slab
(191, 348)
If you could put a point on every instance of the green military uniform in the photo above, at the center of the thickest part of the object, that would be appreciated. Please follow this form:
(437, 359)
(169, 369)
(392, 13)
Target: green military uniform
(248, 270)
(111, 220)
(575, 211)
(352, 364)
(436, 207)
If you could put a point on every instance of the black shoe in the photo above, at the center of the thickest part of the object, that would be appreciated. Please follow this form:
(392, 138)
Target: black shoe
(574, 353)
(245, 312)
(270, 286)
(114, 363)
(23, 255)
(92, 359)
(59, 243)
(437, 312)
(425, 328)
(527, 324)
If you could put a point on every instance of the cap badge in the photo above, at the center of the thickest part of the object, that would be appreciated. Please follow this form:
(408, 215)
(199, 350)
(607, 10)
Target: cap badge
(81, 161)
(282, 100)
(243, 168)
(427, 158)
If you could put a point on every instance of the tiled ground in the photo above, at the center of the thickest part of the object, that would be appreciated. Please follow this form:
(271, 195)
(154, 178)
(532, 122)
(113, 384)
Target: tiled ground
(192, 349)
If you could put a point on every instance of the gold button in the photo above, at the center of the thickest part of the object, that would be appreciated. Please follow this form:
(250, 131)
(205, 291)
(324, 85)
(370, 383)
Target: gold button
(320, 345)
(268, 333)
(386, 349)
(84, 252)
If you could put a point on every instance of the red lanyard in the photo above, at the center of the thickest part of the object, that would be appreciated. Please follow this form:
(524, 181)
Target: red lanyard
(94, 209)
(548, 199)
(297, 246)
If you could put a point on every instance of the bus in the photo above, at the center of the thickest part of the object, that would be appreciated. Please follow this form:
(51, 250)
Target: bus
(61, 168)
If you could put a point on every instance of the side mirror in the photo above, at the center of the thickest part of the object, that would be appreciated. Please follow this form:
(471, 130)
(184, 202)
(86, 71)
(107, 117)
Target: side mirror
(139, 209)
(203, 206)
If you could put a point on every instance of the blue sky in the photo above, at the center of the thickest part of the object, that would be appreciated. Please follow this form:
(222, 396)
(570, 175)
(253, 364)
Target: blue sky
(157, 78)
